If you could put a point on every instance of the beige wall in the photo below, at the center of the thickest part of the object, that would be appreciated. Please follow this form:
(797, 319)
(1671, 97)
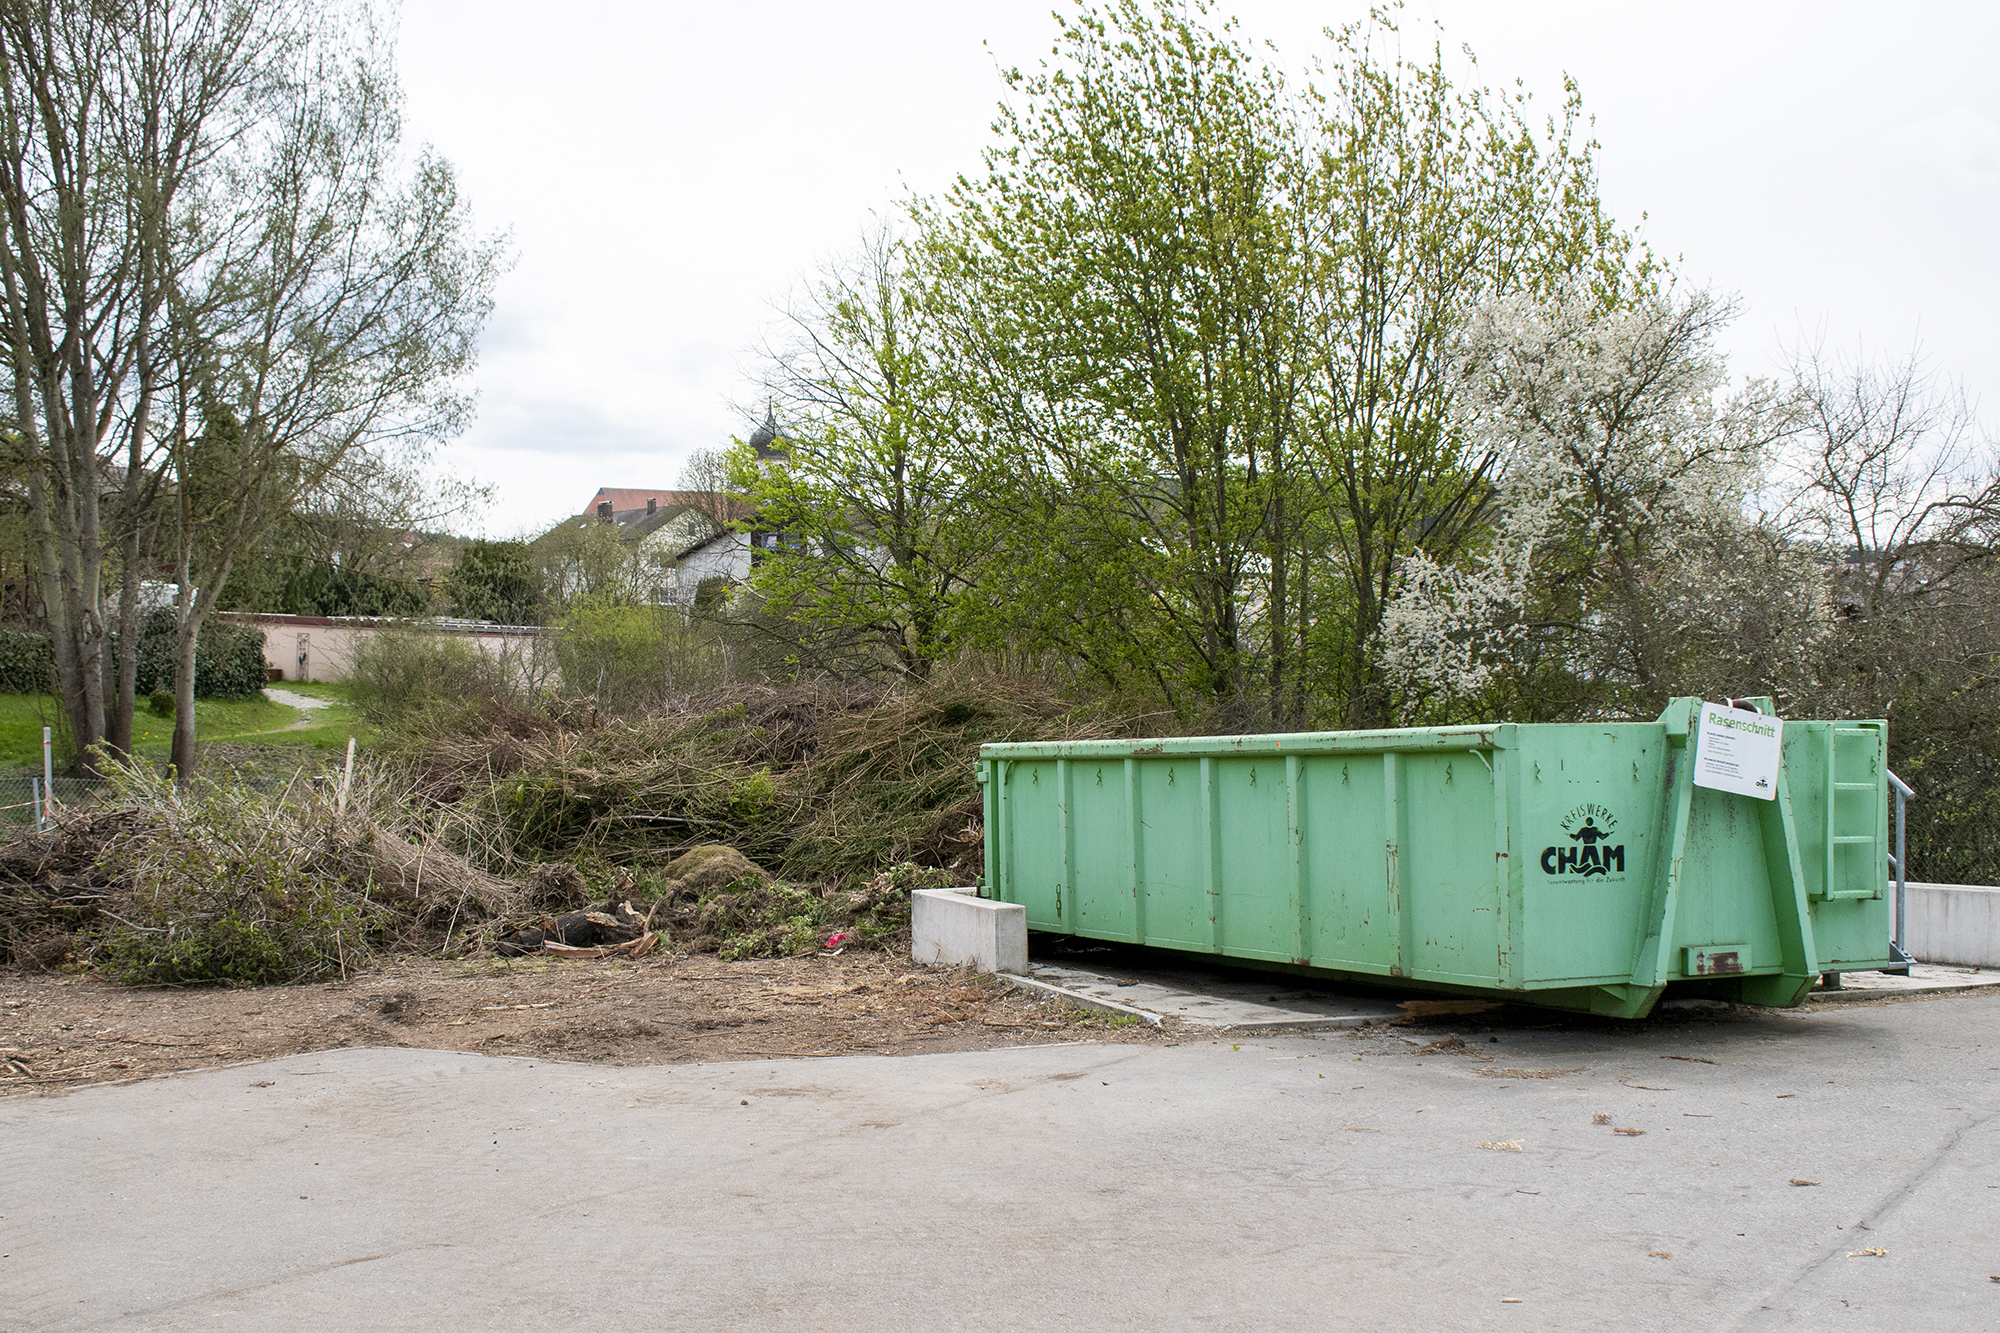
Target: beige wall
(322, 647)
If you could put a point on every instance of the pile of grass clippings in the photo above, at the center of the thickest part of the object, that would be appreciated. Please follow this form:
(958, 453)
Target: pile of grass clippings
(761, 917)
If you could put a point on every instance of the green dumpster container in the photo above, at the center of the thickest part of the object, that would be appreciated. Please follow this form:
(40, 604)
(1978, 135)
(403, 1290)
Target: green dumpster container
(1572, 865)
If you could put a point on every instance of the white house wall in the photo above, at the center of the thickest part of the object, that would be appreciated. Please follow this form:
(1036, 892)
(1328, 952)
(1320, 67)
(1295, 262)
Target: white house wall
(727, 556)
(310, 648)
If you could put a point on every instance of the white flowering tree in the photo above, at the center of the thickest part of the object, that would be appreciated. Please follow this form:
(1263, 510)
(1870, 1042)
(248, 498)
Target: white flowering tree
(1623, 564)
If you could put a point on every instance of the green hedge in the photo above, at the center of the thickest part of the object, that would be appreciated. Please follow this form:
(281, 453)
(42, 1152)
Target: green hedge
(228, 662)
(27, 662)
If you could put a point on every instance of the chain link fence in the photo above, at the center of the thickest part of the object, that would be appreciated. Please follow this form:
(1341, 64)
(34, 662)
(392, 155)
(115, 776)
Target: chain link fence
(29, 800)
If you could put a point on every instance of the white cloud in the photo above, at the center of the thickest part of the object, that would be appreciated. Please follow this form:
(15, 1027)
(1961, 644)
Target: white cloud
(1962, 144)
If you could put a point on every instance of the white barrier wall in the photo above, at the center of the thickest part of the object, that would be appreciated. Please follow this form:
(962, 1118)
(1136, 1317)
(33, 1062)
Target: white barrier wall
(1953, 923)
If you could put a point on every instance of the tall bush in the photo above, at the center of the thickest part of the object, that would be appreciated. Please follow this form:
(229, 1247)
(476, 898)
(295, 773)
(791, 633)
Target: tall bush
(628, 657)
(401, 670)
(228, 664)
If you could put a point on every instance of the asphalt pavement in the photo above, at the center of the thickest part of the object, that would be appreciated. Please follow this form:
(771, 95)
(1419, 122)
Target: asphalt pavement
(1829, 1169)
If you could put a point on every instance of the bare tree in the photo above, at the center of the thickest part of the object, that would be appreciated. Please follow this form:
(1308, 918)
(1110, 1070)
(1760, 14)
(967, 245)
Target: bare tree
(114, 123)
(1892, 473)
(704, 486)
(1897, 485)
(332, 332)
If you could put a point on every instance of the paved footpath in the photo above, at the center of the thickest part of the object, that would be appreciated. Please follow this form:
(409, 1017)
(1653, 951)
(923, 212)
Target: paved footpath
(1326, 1181)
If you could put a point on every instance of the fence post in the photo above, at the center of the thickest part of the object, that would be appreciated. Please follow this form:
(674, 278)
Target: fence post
(35, 795)
(346, 781)
(48, 802)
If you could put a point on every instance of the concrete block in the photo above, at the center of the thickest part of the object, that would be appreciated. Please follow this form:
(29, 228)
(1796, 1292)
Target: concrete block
(1957, 924)
(952, 928)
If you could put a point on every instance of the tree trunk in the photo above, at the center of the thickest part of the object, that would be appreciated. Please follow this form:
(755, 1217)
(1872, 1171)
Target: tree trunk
(125, 681)
(186, 639)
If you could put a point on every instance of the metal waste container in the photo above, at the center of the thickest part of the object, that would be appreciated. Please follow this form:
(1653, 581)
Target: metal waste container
(1573, 865)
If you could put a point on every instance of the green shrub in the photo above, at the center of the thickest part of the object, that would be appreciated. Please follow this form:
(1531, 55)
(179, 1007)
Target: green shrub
(223, 884)
(27, 662)
(627, 658)
(228, 658)
(161, 702)
(399, 671)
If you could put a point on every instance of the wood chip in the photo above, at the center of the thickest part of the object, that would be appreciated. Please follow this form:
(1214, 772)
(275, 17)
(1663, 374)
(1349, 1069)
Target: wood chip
(1634, 1132)
(1505, 1145)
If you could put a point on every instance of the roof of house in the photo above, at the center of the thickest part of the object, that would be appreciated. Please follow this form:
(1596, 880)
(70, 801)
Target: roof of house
(638, 524)
(628, 497)
(633, 525)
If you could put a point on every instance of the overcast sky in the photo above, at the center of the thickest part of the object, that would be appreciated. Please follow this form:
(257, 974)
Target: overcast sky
(670, 172)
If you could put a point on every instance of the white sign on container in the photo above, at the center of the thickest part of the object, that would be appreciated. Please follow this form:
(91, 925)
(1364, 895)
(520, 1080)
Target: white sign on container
(1738, 750)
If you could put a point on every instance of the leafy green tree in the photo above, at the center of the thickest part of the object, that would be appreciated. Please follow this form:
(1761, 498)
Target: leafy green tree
(1424, 201)
(224, 285)
(880, 533)
(341, 315)
(1126, 274)
(1204, 323)
(117, 125)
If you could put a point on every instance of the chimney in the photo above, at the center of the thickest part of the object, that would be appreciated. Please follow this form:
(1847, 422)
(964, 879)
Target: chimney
(652, 505)
(604, 510)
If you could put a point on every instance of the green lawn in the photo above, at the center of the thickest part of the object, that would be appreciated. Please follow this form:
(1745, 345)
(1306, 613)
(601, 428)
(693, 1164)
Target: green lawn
(256, 720)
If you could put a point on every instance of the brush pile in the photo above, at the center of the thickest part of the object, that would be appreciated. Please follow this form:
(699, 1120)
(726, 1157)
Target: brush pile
(753, 822)
(825, 784)
(224, 883)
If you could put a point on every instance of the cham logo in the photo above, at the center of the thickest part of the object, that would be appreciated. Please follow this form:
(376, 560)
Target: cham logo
(1589, 829)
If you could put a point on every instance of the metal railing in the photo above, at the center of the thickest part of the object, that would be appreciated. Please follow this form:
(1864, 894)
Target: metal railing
(1899, 860)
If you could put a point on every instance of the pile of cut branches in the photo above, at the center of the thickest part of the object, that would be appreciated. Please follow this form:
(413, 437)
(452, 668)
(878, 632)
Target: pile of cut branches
(220, 882)
(825, 784)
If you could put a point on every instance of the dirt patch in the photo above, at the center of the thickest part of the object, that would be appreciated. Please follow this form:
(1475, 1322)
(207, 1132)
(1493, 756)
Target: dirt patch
(62, 1032)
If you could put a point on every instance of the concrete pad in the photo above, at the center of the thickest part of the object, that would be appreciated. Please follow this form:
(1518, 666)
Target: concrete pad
(1924, 979)
(1302, 1182)
(1239, 1002)
(952, 928)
